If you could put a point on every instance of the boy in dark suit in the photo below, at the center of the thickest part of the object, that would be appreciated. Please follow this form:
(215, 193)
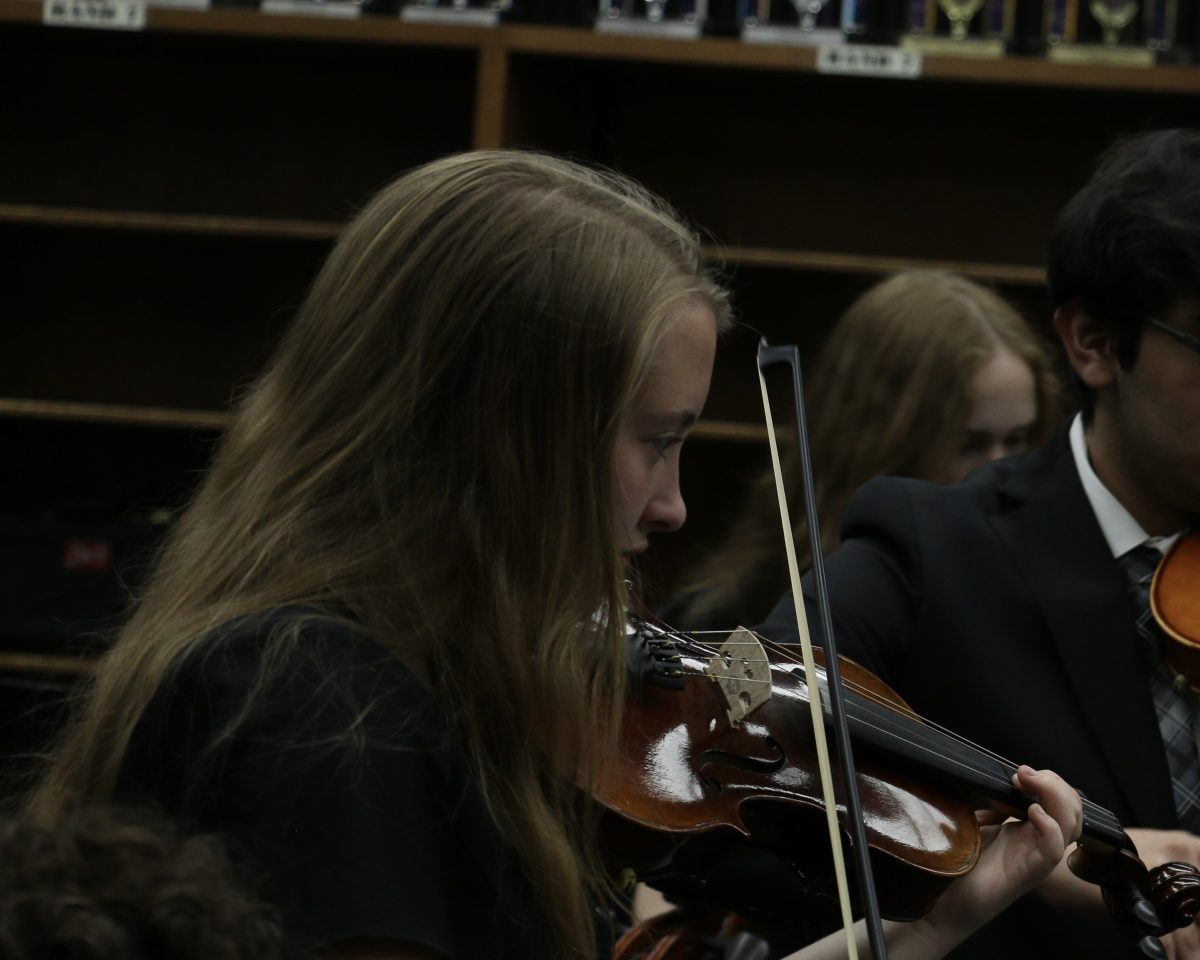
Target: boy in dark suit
(1006, 608)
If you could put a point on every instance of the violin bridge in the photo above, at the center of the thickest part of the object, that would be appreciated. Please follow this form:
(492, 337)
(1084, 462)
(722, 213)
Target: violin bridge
(743, 674)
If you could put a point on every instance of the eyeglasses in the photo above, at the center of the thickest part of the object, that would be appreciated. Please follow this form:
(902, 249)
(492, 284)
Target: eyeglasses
(1192, 343)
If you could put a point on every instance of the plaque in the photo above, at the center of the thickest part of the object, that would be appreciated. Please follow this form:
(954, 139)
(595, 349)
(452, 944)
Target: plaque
(809, 23)
(680, 19)
(341, 9)
(1115, 32)
(475, 14)
(960, 28)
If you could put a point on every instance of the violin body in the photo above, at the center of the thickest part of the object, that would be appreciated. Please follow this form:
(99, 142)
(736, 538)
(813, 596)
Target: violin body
(695, 790)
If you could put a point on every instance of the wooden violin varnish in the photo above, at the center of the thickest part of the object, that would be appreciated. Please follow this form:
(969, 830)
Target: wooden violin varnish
(1175, 603)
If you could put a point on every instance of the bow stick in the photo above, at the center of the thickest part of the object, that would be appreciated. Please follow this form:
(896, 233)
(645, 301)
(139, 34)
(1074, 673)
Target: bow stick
(769, 356)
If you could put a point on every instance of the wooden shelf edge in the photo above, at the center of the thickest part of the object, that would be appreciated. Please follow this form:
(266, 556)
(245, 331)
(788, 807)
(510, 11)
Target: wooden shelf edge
(544, 40)
(328, 231)
(183, 223)
(19, 408)
(40, 663)
(1032, 71)
(371, 29)
(819, 261)
(729, 430)
(112, 413)
(732, 52)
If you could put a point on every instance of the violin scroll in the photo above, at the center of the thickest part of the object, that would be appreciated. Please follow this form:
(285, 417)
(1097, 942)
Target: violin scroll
(1148, 902)
(1174, 889)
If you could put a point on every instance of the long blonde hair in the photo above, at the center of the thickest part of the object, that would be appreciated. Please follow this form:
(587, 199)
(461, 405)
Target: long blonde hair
(430, 451)
(889, 395)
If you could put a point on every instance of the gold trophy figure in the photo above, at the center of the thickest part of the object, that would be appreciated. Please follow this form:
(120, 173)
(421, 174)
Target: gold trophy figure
(959, 13)
(1113, 16)
(808, 11)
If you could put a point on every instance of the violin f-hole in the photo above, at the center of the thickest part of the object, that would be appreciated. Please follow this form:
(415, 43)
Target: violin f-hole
(740, 761)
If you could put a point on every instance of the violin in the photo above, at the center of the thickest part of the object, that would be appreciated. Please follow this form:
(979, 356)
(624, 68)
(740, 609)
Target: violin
(1175, 605)
(717, 759)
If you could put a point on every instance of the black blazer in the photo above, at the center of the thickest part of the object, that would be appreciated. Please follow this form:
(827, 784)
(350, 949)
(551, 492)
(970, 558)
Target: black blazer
(996, 609)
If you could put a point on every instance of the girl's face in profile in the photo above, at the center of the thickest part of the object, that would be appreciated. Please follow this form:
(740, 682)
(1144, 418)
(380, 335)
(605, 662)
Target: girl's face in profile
(1002, 416)
(646, 458)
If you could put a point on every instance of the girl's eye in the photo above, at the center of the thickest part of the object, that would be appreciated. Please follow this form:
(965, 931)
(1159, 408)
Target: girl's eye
(975, 442)
(663, 444)
(1017, 442)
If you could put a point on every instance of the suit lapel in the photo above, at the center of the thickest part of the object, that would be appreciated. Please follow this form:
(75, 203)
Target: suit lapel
(1052, 535)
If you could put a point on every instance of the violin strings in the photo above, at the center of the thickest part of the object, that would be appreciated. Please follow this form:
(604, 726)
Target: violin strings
(850, 685)
(869, 700)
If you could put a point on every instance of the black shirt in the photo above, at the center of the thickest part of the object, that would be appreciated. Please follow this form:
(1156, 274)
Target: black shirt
(328, 764)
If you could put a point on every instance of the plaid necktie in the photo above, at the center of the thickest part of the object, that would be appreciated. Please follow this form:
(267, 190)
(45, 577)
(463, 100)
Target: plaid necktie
(1177, 718)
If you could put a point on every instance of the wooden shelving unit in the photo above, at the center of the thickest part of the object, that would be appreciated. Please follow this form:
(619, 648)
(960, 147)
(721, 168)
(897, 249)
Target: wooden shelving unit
(168, 194)
(44, 216)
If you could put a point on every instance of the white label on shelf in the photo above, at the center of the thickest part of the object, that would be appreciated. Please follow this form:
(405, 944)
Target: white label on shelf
(465, 16)
(99, 14)
(641, 27)
(343, 9)
(861, 60)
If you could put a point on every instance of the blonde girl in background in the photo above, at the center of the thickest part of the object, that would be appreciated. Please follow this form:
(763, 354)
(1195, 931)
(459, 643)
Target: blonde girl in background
(926, 375)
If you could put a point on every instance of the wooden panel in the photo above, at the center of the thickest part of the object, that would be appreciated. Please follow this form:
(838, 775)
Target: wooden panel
(98, 472)
(801, 161)
(141, 318)
(158, 122)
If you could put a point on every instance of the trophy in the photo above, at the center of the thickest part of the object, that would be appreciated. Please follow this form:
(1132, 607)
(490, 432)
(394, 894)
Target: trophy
(471, 12)
(682, 19)
(814, 23)
(1109, 31)
(959, 13)
(1113, 16)
(960, 28)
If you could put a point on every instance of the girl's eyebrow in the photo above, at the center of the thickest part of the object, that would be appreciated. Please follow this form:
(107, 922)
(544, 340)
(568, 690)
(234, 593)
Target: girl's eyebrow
(680, 420)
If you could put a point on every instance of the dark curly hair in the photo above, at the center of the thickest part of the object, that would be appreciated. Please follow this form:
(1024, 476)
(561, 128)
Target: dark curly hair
(119, 885)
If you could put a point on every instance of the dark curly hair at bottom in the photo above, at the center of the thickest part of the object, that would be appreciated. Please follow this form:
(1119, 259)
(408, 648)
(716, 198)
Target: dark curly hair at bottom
(110, 885)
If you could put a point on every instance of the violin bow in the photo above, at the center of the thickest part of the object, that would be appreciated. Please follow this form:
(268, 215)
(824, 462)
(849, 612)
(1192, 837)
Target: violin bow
(768, 356)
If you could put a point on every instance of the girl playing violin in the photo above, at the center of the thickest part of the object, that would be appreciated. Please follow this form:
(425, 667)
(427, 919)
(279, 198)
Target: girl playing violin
(383, 648)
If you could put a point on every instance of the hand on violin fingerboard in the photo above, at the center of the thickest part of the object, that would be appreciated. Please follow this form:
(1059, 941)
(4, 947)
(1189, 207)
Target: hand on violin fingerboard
(1018, 856)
